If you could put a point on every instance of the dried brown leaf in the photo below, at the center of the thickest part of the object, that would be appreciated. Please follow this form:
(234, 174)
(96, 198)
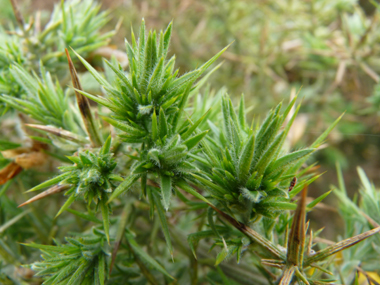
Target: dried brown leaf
(59, 133)
(296, 241)
(84, 106)
(53, 190)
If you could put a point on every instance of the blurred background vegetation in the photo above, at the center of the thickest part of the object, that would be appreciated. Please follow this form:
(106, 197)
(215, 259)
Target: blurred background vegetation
(328, 51)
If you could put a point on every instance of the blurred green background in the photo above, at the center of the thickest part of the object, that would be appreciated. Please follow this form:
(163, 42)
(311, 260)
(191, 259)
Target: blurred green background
(328, 51)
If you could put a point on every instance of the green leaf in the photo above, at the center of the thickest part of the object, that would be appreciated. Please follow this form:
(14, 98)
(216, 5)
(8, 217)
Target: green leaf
(246, 159)
(106, 217)
(166, 190)
(181, 106)
(155, 80)
(193, 141)
(194, 238)
(124, 127)
(124, 186)
(67, 204)
(5, 145)
(322, 137)
(106, 147)
(190, 131)
(298, 188)
(102, 268)
(80, 273)
(50, 182)
(164, 222)
(221, 256)
(287, 160)
(145, 257)
(266, 138)
(213, 59)
(211, 223)
(121, 76)
(46, 247)
(167, 36)
(184, 186)
(102, 81)
(97, 99)
(12, 221)
(163, 124)
(5, 187)
(317, 200)
(269, 154)
(242, 120)
(209, 184)
(281, 205)
(342, 186)
(84, 216)
(154, 126)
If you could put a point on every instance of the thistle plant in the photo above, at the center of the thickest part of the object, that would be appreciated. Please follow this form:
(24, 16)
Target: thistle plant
(160, 158)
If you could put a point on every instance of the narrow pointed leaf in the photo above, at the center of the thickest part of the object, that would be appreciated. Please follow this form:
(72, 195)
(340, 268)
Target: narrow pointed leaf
(67, 204)
(125, 186)
(102, 81)
(166, 190)
(332, 249)
(106, 146)
(84, 216)
(246, 159)
(322, 137)
(106, 217)
(163, 124)
(154, 126)
(145, 257)
(97, 99)
(184, 186)
(102, 268)
(242, 120)
(12, 221)
(208, 183)
(193, 141)
(164, 222)
(190, 131)
(317, 200)
(123, 126)
(50, 182)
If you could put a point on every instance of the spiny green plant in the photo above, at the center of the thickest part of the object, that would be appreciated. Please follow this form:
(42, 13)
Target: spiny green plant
(359, 214)
(44, 101)
(247, 169)
(82, 260)
(91, 176)
(72, 23)
(328, 48)
(235, 181)
(147, 104)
